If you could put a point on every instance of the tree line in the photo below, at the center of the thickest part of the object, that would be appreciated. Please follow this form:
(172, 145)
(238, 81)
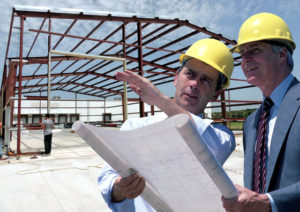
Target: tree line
(234, 114)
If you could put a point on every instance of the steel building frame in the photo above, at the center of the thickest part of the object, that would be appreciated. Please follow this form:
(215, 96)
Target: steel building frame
(150, 46)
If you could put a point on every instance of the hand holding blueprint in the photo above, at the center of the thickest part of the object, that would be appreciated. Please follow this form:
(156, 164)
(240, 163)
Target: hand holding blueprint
(180, 171)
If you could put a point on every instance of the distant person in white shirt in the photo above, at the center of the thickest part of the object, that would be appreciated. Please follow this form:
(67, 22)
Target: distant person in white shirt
(47, 125)
(205, 70)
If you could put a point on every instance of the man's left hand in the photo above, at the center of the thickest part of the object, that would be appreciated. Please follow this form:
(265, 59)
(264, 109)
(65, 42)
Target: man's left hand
(142, 86)
(247, 201)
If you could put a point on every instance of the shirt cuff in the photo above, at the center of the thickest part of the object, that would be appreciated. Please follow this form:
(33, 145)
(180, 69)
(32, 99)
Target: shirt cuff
(272, 202)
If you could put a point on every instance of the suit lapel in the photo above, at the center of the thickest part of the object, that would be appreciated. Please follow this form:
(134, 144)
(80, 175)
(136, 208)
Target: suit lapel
(285, 117)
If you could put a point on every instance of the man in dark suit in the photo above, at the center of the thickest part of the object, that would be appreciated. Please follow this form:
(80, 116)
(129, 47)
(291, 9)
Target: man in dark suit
(272, 158)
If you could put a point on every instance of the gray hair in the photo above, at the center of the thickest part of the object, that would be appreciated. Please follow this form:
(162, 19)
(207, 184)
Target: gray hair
(290, 61)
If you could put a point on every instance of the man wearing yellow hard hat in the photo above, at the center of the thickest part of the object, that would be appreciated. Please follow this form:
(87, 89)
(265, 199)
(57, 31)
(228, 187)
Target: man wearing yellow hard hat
(272, 132)
(205, 69)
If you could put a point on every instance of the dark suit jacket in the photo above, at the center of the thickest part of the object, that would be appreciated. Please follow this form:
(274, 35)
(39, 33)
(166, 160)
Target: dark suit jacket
(283, 169)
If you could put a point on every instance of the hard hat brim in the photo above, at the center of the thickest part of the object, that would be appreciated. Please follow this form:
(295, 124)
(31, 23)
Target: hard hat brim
(290, 45)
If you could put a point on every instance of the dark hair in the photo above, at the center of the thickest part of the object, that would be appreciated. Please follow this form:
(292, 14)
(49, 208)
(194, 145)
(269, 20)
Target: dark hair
(47, 115)
(184, 61)
(222, 80)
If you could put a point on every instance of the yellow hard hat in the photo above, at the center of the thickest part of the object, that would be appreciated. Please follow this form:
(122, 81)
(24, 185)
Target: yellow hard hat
(265, 26)
(214, 53)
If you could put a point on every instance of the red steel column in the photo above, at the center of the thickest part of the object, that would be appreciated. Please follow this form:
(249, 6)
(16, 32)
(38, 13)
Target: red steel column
(124, 55)
(152, 110)
(140, 60)
(20, 86)
(49, 73)
(223, 108)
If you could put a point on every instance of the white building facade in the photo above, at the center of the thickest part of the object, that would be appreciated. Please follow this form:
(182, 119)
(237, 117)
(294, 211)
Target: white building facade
(89, 111)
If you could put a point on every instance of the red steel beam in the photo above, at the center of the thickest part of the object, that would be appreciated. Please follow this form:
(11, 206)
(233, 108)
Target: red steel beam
(36, 97)
(103, 41)
(107, 37)
(41, 76)
(109, 17)
(236, 105)
(37, 34)
(78, 44)
(243, 80)
(67, 31)
(212, 34)
(151, 64)
(9, 37)
(237, 88)
(167, 31)
(239, 101)
(84, 93)
(73, 83)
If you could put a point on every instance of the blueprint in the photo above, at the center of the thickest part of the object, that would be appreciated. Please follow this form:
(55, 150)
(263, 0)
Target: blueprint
(180, 171)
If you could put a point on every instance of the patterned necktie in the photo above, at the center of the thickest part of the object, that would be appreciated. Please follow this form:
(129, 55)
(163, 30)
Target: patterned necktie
(259, 168)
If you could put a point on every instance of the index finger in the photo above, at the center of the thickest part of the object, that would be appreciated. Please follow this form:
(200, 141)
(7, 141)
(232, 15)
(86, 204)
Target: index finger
(128, 76)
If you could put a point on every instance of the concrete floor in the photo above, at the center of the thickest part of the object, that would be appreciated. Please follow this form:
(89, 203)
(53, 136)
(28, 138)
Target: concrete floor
(65, 181)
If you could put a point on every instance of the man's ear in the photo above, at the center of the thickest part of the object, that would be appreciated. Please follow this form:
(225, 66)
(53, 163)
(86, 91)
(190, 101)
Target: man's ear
(175, 79)
(283, 54)
(217, 94)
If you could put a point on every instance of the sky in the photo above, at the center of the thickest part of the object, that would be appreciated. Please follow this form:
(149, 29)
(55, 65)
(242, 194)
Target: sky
(220, 16)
